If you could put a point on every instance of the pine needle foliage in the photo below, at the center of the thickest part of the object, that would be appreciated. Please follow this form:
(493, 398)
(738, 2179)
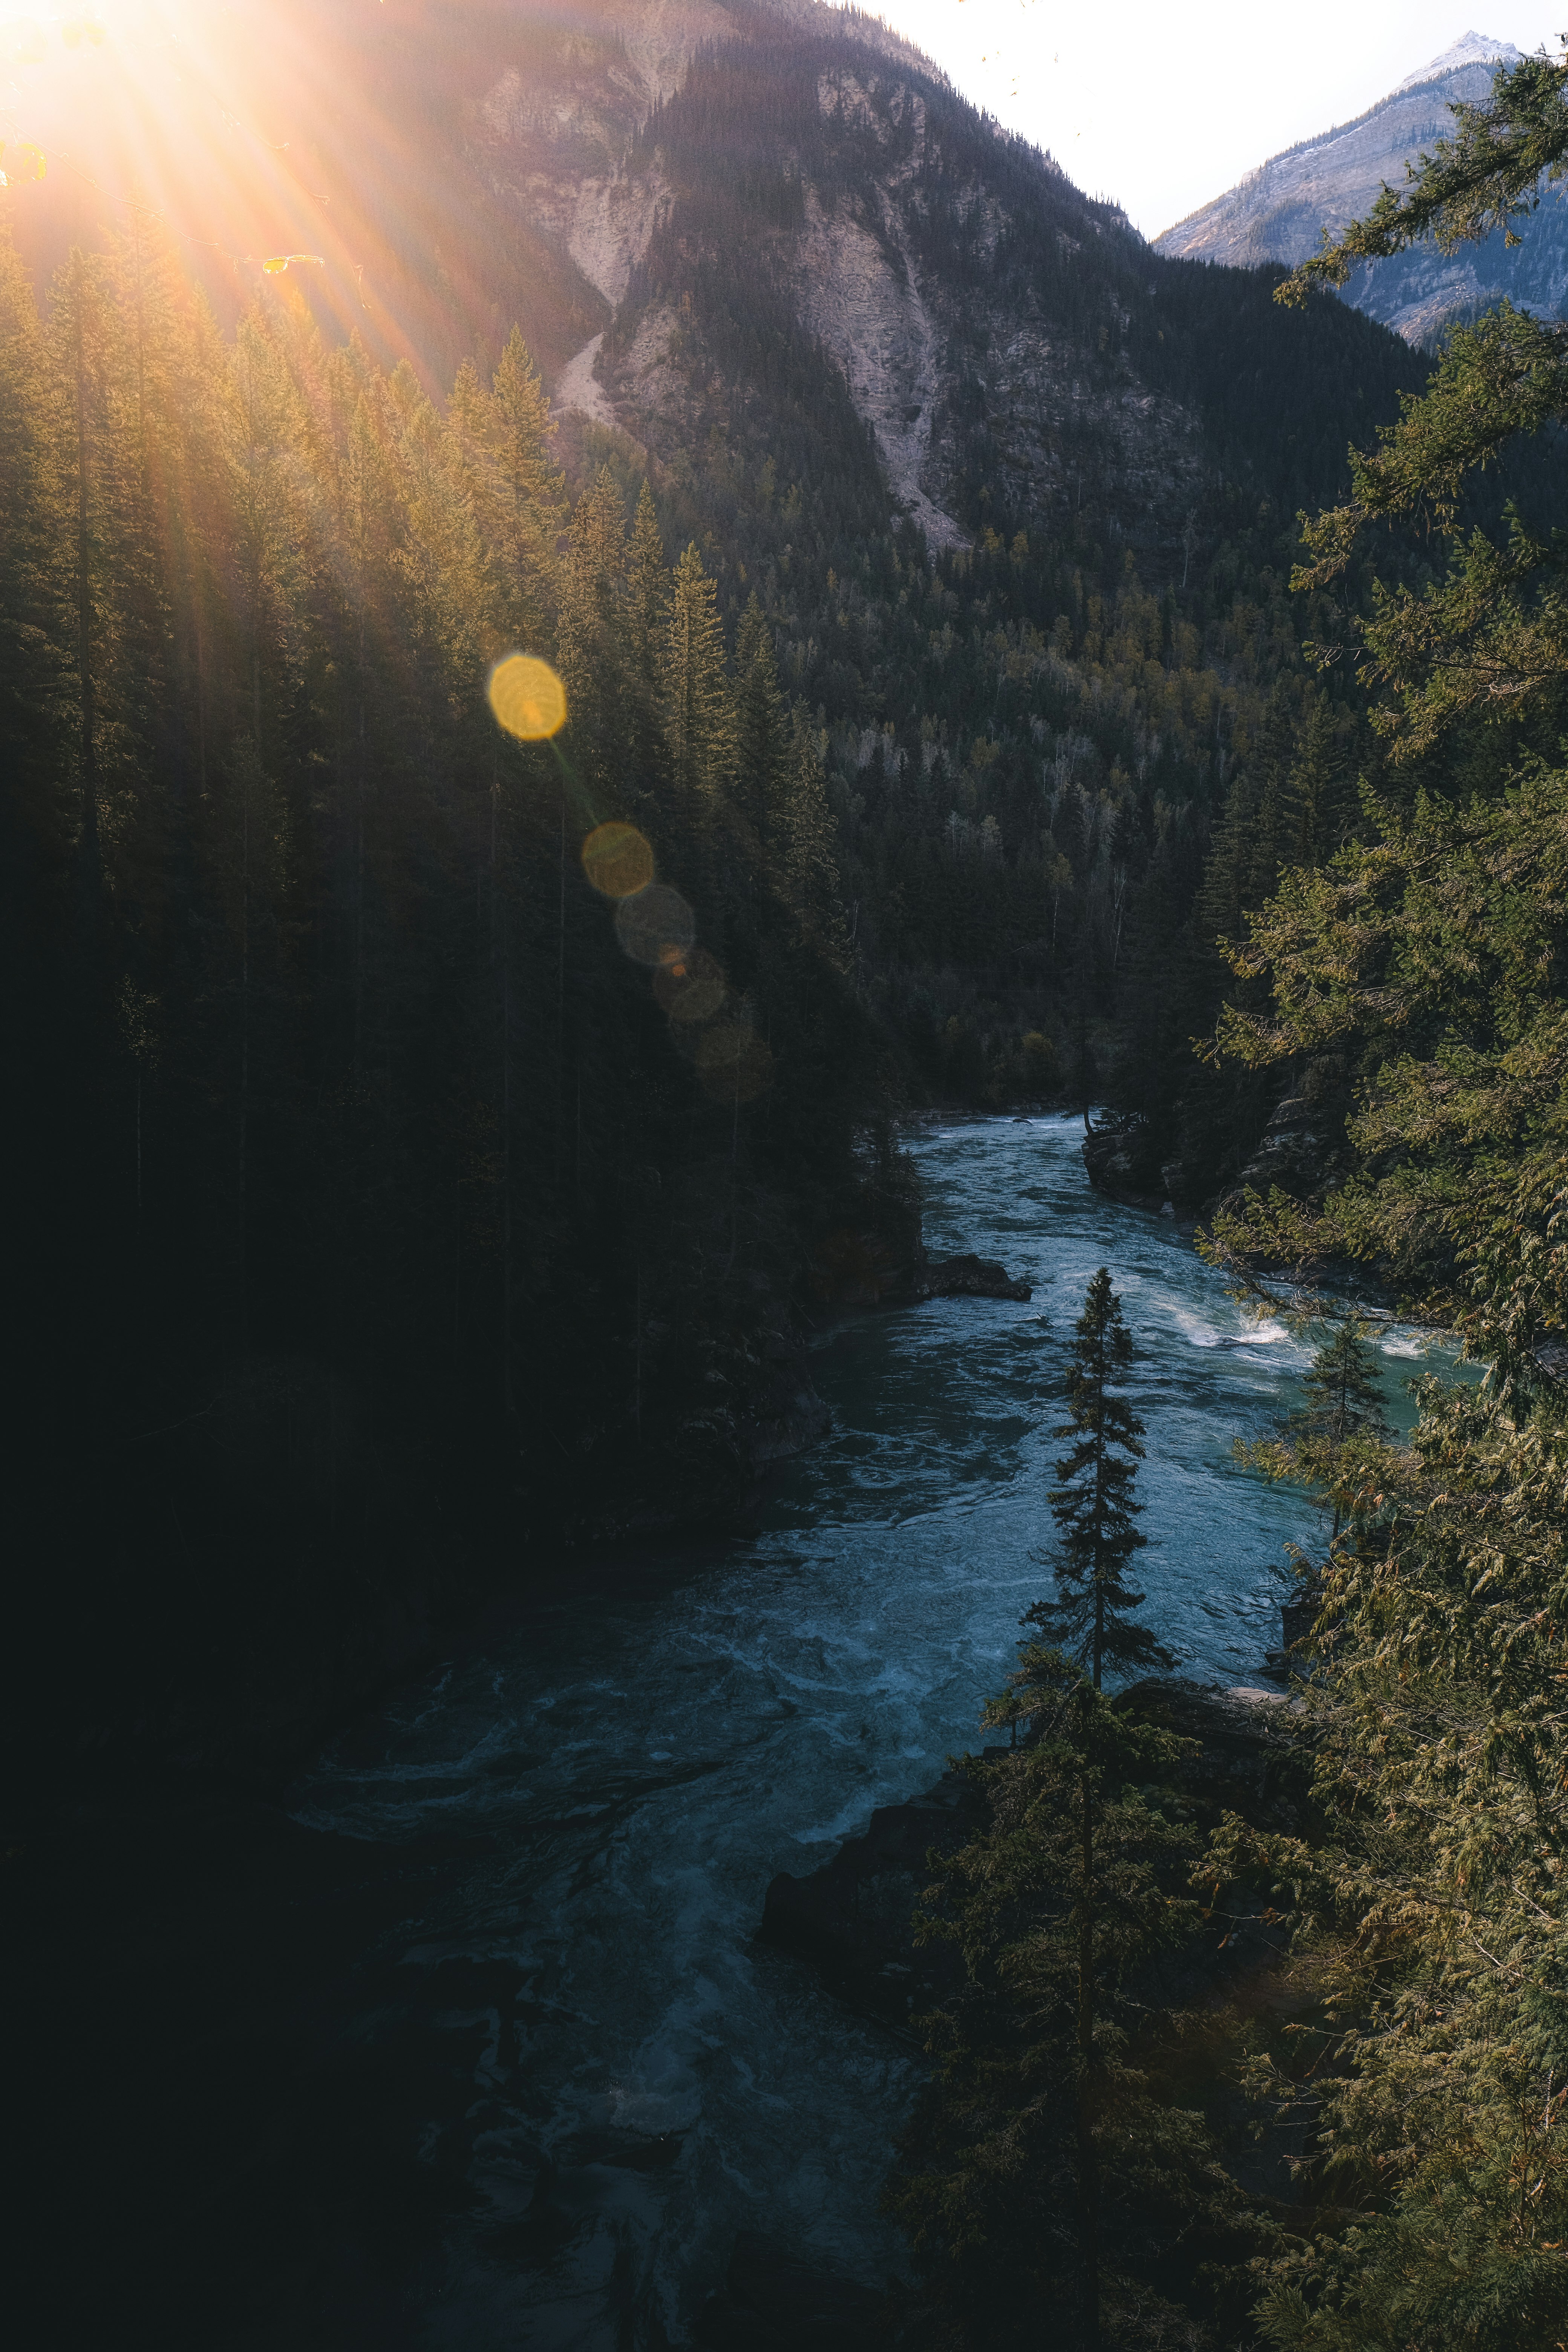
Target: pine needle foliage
(1092, 1503)
(1431, 2088)
(1327, 1442)
(1051, 2170)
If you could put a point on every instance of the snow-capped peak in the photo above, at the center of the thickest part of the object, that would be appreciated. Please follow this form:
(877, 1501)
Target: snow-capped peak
(1469, 49)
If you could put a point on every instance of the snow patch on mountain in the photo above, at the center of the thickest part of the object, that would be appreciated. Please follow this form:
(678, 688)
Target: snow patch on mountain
(1469, 49)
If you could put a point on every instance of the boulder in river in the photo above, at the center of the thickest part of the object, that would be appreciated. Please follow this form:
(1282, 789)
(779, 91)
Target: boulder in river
(771, 2302)
(966, 1276)
(852, 1917)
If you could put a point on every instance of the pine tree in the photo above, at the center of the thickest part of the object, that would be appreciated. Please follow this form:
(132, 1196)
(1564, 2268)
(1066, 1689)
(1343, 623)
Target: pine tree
(698, 724)
(33, 621)
(1322, 804)
(590, 637)
(529, 509)
(698, 707)
(82, 331)
(1343, 1396)
(1223, 895)
(1093, 1505)
(645, 619)
(1051, 2169)
(1489, 634)
(760, 736)
(806, 872)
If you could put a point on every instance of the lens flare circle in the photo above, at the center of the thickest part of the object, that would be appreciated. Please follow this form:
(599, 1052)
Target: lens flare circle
(692, 988)
(656, 926)
(617, 861)
(733, 1063)
(528, 698)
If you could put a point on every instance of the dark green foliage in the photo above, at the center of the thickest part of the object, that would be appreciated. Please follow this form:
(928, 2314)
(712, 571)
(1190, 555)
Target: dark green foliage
(1493, 633)
(1052, 2170)
(1092, 1503)
(1343, 1399)
(1426, 959)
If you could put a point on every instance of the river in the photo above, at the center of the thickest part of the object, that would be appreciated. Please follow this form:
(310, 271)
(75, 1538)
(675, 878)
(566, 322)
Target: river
(620, 1769)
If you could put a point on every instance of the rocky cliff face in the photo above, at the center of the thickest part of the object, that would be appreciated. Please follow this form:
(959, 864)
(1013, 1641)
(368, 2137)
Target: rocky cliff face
(1280, 212)
(890, 228)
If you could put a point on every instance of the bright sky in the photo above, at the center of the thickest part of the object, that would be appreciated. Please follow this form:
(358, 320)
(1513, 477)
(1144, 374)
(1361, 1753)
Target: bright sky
(1162, 104)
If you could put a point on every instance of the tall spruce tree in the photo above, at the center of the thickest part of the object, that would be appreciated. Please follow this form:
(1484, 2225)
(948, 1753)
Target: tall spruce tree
(698, 712)
(1051, 2185)
(1092, 1503)
(760, 737)
(1344, 1402)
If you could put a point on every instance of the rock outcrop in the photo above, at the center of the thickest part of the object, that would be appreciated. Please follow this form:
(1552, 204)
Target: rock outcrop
(966, 1276)
(1121, 1162)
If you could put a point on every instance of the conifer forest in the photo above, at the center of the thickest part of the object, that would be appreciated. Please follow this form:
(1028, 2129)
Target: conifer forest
(734, 698)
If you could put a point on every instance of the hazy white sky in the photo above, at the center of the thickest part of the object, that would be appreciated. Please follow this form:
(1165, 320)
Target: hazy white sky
(1164, 103)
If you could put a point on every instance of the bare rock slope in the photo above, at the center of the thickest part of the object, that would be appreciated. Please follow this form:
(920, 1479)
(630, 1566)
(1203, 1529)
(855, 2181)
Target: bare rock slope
(894, 257)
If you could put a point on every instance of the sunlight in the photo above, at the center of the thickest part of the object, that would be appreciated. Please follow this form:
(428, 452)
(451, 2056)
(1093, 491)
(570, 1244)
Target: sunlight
(242, 135)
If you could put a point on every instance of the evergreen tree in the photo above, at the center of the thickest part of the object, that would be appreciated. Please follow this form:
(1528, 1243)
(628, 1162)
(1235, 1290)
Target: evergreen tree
(1344, 1402)
(1491, 633)
(32, 617)
(1322, 804)
(698, 707)
(643, 623)
(1051, 2150)
(698, 712)
(805, 871)
(761, 738)
(1431, 1904)
(526, 505)
(1092, 1503)
(591, 640)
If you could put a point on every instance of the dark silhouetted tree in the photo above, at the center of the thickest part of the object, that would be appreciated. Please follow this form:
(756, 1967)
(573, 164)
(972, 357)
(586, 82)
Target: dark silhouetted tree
(1093, 1505)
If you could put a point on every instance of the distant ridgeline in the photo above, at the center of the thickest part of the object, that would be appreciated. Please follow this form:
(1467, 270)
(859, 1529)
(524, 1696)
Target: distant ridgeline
(915, 561)
(1280, 212)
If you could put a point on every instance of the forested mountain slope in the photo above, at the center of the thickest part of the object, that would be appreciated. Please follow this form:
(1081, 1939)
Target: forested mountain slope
(1280, 212)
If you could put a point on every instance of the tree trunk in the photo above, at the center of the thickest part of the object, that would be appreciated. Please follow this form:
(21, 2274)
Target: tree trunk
(89, 844)
(1087, 2166)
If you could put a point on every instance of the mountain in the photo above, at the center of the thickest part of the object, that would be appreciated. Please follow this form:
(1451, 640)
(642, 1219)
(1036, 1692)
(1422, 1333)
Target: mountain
(1280, 212)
